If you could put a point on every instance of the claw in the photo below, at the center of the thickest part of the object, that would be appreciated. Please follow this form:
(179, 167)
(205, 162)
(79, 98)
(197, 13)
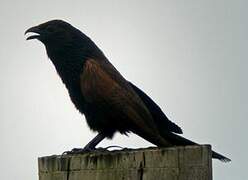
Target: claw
(86, 150)
(77, 151)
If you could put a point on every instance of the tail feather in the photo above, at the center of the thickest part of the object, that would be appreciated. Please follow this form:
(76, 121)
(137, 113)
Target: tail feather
(222, 158)
(179, 140)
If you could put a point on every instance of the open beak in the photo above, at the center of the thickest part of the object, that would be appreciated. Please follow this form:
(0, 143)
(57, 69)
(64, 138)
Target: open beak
(34, 29)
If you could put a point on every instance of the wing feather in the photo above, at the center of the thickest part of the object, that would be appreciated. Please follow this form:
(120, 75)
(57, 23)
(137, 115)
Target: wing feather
(104, 88)
(101, 89)
(159, 117)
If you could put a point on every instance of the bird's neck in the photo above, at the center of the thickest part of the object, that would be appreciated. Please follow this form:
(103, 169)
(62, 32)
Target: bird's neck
(69, 60)
(67, 66)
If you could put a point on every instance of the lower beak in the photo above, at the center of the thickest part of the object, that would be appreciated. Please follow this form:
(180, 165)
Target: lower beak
(34, 29)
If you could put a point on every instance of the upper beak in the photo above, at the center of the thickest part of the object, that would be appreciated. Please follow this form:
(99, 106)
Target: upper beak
(34, 29)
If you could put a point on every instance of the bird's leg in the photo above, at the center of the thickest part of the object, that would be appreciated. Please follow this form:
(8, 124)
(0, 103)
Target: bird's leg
(93, 143)
(90, 146)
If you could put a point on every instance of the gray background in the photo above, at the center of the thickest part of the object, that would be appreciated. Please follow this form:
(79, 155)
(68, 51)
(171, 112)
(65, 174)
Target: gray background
(189, 56)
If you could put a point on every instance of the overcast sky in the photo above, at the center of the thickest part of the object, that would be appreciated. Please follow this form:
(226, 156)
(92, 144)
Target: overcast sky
(189, 56)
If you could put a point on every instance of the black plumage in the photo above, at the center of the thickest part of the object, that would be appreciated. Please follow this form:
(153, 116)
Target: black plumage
(109, 102)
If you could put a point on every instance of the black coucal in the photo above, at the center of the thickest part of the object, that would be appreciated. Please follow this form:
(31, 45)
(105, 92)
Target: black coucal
(109, 102)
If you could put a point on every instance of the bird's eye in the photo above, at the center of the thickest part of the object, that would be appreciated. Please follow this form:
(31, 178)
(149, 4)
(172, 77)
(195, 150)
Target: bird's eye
(50, 29)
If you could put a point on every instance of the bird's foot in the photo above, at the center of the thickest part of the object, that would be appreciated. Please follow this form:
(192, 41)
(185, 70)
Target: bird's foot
(88, 149)
(78, 151)
(110, 147)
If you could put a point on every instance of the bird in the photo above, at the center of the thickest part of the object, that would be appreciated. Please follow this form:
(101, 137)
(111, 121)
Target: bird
(109, 102)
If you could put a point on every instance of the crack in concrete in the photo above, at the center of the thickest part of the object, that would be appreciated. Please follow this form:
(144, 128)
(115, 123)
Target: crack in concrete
(68, 169)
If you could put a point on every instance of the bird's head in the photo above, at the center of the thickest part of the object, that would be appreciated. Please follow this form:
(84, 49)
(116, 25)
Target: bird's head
(62, 40)
(54, 32)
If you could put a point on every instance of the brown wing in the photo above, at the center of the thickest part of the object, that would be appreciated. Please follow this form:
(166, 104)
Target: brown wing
(103, 86)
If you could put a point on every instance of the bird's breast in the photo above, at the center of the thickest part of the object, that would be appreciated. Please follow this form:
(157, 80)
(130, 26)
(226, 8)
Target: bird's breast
(69, 71)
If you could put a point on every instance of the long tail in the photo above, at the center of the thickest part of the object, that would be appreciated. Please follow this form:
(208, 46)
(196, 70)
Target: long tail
(179, 140)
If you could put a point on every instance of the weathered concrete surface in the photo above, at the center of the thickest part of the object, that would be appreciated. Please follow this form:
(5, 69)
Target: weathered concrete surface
(175, 163)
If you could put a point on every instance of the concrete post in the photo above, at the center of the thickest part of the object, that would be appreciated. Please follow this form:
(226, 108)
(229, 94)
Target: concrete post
(174, 163)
